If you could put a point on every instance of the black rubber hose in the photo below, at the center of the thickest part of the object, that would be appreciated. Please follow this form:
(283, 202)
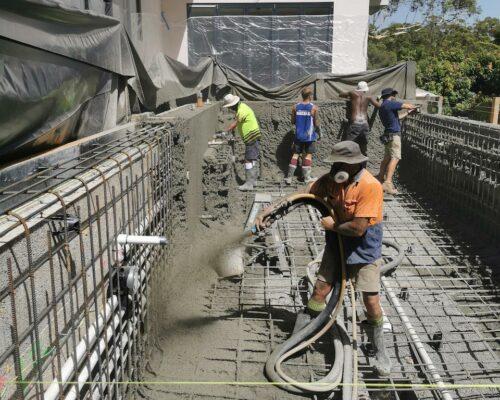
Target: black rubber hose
(317, 323)
(394, 263)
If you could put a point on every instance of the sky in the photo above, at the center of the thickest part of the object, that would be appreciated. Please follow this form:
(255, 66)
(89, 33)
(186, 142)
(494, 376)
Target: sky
(489, 8)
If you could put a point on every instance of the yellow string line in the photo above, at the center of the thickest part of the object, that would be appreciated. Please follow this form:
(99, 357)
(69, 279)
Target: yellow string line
(263, 383)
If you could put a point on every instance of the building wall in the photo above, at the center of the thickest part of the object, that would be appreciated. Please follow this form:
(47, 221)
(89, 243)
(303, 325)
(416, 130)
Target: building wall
(350, 31)
(161, 27)
(350, 36)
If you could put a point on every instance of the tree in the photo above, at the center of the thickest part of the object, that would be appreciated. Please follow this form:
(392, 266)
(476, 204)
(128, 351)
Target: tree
(489, 27)
(457, 61)
(446, 9)
(441, 11)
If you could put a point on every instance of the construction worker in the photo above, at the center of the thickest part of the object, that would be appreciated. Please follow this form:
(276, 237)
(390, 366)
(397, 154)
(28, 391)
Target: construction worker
(359, 127)
(248, 128)
(307, 131)
(389, 115)
(357, 198)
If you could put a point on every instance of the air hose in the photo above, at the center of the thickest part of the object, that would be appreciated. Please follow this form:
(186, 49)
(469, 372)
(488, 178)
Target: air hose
(342, 367)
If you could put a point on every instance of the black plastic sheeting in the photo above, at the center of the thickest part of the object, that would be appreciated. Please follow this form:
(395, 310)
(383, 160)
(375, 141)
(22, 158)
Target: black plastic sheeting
(66, 74)
(63, 75)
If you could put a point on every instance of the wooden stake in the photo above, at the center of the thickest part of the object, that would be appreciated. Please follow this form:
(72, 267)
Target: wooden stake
(495, 106)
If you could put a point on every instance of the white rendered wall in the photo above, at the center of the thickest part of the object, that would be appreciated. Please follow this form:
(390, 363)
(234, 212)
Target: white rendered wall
(350, 31)
(350, 36)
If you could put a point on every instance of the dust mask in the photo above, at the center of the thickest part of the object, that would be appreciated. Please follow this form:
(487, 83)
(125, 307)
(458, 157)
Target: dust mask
(341, 177)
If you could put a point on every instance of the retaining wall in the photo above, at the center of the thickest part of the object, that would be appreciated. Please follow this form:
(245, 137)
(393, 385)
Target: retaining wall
(277, 134)
(60, 266)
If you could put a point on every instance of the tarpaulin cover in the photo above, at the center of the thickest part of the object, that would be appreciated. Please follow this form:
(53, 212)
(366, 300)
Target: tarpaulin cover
(401, 77)
(67, 73)
(269, 49)
(173, 79)
(63, 75)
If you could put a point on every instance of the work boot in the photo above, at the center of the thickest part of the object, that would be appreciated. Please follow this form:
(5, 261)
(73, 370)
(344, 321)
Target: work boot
(291, 173)
(382, 364)
(306, 171)
(256, 167)
(389, 188)
(251, 179)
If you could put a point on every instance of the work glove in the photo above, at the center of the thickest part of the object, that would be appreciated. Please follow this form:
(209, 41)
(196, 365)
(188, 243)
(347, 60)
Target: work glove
(262, 222)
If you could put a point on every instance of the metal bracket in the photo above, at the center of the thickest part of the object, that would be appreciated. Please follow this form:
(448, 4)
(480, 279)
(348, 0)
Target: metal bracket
(72, 223)
(404, 294)
(437, 340)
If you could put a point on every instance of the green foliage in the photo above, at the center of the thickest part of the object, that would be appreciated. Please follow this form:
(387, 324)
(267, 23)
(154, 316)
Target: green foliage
(457, 61)
(443, 8)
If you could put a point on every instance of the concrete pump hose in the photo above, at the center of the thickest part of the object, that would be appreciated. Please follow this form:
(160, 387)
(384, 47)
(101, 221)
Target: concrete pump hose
(343, 362)
(324, 321)
(394, 263)
(351, 371)
(349, 359)
(318, 326)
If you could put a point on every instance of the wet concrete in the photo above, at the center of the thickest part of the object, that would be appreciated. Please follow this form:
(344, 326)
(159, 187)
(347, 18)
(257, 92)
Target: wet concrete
(194, 344)
(278, 134)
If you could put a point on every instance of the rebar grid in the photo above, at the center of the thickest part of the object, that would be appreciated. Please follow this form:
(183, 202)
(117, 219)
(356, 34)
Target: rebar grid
(435, 276)
(83, 265)
(459, 163)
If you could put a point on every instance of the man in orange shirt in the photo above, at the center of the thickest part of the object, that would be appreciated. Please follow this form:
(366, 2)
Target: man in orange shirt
(357, 198)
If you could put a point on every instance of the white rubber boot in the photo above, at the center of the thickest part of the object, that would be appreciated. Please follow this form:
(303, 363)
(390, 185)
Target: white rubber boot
(291, 172)
(306, 171)
(251, 180)
(382, 363)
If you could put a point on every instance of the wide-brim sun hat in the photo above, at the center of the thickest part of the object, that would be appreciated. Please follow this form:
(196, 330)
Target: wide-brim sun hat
(346, 152)
(388, 92)
(230, 100)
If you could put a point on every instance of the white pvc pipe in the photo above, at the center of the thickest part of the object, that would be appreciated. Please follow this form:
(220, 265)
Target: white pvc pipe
(136, 239)
(96, 395)
(52, 392)
(68, 369)
(94, 357)
(418, 344)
